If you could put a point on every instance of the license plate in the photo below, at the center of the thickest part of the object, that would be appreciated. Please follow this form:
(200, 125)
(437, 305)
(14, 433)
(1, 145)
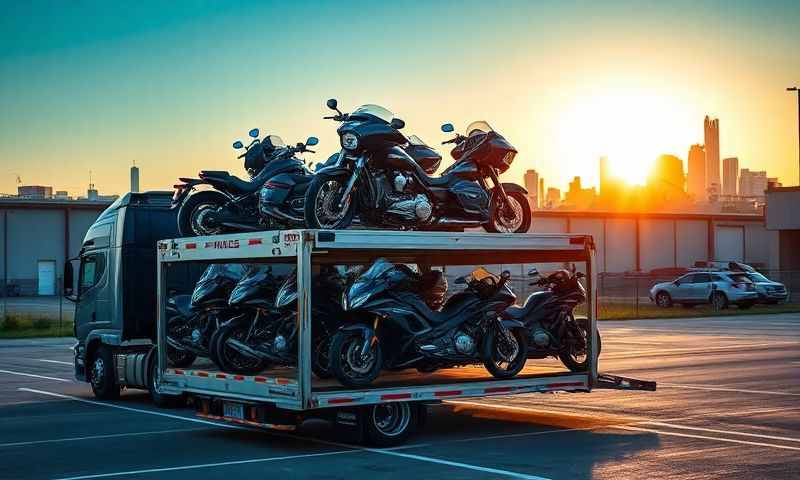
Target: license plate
(233, 410)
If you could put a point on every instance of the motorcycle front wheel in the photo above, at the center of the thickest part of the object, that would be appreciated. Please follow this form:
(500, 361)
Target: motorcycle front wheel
(232, 361)
(322, 204)
(575, 356)
(347, 363)
(504, 357)
(193, 214)
(512, 216)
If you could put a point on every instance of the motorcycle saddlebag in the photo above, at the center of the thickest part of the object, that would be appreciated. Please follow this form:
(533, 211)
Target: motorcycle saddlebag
(472, 199)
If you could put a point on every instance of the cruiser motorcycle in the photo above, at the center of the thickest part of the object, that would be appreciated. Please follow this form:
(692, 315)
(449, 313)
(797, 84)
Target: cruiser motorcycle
(551, 326)
(391, 326)
(234, 204)
(379, 176)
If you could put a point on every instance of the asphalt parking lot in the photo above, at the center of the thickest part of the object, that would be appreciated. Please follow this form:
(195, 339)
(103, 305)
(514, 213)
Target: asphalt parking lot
(728, 406)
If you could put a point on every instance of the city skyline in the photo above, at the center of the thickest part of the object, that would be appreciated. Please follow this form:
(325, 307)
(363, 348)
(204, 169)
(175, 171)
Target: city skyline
(172, 86)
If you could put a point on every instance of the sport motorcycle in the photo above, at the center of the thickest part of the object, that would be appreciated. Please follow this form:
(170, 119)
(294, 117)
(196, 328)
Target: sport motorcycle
(391, 326)
(379, 176)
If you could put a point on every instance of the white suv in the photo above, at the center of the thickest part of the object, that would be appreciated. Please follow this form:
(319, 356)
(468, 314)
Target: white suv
(720, 289)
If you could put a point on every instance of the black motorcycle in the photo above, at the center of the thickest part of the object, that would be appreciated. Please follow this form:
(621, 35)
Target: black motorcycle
(392, 326)
(271, 334)
(192, 320)
(551, 326)
(379, 175)
(240, 205)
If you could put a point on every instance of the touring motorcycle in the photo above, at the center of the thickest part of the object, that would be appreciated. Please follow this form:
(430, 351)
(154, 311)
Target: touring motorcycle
(551, 326)
(390, 326)
(192, 320)
(269, 334)
(234, 204)
(379, 176)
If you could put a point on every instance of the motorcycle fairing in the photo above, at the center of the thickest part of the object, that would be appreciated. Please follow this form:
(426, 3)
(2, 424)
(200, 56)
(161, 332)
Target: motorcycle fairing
(216, 284)
(472, 198)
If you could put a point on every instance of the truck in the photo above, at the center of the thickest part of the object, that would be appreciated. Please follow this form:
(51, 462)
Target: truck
(132, 260)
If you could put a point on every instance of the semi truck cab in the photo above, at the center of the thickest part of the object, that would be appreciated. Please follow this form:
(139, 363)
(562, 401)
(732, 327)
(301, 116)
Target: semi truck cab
(115, 293)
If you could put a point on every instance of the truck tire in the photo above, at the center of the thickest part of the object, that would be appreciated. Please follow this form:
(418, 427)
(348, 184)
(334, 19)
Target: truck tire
(102, 375)
(159, 399)
(389, 424)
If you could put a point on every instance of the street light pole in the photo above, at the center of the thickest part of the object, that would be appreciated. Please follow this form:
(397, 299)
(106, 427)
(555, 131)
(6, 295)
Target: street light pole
(795, 89)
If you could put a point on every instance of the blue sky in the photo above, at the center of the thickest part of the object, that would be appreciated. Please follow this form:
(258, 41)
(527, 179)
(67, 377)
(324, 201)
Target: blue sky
(93, 85)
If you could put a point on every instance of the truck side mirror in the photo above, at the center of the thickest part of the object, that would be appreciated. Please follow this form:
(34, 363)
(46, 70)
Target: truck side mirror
(69, 280)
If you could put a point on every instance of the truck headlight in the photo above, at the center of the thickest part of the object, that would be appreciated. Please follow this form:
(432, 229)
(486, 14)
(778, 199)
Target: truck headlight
(349, 141)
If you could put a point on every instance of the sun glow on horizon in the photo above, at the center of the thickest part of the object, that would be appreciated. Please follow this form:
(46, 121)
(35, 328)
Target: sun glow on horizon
(631, 128)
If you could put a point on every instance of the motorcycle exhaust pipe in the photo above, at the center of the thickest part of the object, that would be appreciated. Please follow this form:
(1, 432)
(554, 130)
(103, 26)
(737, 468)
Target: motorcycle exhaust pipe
(178, 345)
(277, 213)
(245, 349)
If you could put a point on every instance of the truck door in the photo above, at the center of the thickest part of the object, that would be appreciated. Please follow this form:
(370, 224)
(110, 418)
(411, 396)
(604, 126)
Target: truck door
(90, 280)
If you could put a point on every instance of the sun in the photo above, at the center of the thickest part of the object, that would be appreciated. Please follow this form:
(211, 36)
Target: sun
(631, 128)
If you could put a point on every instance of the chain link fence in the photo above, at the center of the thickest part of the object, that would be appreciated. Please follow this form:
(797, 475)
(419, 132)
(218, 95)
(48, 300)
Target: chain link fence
(25, 315)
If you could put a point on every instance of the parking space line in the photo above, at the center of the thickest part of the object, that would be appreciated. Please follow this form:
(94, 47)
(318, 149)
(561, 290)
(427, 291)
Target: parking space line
(726, 432)
(55, 361)
(209, 465)
(704, 437)
(94, 437)
(36, 376)
(726, 389)
(477, 468)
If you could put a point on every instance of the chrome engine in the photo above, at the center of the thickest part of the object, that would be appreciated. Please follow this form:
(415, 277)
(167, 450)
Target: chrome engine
(465, 344)
(540, 337)
(404, 205)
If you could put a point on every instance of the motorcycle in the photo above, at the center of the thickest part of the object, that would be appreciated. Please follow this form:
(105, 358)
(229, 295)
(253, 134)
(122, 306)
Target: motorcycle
(271, 335)
(551, 326)
(234, 204)
(378, 175)
(392, 327)
(192, 320)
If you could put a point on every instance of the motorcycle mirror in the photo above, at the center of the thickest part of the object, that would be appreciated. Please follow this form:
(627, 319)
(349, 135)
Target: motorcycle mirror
(505, 275)
(448, 127)
(397, 124)
(253, 133)
(238, 144)
(312, 141)
(332, 104)
(533, 272)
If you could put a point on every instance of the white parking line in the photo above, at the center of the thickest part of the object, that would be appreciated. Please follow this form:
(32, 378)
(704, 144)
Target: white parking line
(94, 437)
(704, 437)
(727, 432)
(734, 347)
(55, 361)
(726, 389)
(391, 452)
(35, 376)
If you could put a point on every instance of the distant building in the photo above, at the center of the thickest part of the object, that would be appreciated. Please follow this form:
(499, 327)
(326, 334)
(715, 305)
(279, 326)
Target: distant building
(696, 178)
(773, 183)
(578, 197)
(532, 186)
(711, 134)
(134, 179)
(61, 195)
(666, 176)
(610, 188)
(752, 183)
(730, 176)
(540, 192)
(553, 198)
(37, 192)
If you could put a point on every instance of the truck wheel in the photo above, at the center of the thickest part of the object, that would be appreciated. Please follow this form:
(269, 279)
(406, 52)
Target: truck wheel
(102, 375)
(159, 399)
(389, 424)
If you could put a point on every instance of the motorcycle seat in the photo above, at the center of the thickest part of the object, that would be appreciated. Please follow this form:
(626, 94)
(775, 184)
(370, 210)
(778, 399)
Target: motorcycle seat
(182, 304)
(232, 182)
(532, 303)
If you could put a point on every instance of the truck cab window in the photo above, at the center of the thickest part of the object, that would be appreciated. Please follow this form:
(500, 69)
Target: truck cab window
(92, 267)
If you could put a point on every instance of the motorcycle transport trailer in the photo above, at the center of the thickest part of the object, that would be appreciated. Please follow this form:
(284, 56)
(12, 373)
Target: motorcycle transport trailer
(387, 411)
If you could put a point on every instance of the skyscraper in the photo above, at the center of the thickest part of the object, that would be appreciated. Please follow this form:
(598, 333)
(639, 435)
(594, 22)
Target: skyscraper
(134, 178)
(711, 134)
(730, 175)
(752, 183)
(696, 179)
(667, 176)
(532, 186)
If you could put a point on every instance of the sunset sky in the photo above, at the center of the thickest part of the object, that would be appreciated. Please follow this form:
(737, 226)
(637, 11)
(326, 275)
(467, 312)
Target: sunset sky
(93, 85)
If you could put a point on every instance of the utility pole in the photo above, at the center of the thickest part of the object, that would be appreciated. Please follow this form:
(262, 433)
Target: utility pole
(795, 89)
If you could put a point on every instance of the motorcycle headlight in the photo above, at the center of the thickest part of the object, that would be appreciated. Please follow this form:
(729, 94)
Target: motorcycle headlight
(345, 305)
(349, 141)
(285, 297)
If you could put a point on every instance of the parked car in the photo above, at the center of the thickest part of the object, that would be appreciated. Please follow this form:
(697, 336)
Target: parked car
(719, 289)
(768, 290)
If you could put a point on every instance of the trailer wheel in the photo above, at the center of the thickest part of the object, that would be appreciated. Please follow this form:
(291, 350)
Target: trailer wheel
(102, 376)
(389, 424)
(159, 399)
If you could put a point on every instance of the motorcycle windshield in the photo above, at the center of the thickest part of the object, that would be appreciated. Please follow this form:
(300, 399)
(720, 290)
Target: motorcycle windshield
(287, 294)
(480, 126)
(375, 111)
(216, 282)
(381, 276)
(415, 140)
(275, 140)
(256, 281)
